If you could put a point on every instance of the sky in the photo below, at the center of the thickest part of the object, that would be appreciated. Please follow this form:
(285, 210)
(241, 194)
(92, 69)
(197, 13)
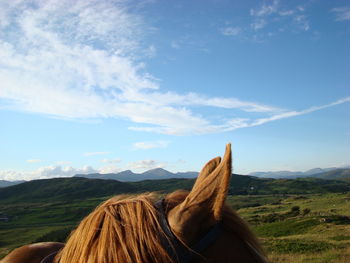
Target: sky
(109, 85)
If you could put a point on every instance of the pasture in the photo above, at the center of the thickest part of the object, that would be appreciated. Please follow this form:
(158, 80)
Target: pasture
(293, 228)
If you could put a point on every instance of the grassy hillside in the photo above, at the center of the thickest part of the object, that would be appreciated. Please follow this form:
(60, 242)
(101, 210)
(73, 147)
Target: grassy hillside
(63, 189)
(338, 174)
(304, 228)
(81, 188)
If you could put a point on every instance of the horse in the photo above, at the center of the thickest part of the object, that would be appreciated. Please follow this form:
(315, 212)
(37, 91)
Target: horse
(183, 227)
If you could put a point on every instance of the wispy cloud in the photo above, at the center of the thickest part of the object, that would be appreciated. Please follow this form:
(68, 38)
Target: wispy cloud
(302, 22)
(239, 123)
(231, 31)
(95, 153)
(342, 13)
(150, 145)
(258, 24)
(83, 59)
(275, 13)
(265, 9)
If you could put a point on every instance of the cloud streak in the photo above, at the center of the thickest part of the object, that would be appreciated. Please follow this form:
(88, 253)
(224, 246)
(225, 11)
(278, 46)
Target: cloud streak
(342, 13)
(274, 13)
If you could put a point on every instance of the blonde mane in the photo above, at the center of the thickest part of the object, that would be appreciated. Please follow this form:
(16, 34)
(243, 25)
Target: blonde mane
(117, 231)
(128, 230)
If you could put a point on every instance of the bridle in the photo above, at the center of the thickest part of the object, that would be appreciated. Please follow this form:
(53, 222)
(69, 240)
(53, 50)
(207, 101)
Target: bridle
(183, 254)
(175, 248)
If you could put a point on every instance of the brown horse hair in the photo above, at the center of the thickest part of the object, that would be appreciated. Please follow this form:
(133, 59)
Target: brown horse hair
(230, 220)
(128, 231)
(117, 231)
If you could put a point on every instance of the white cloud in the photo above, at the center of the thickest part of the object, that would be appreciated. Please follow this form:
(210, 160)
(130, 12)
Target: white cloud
(82, 60)
(258, 24)
(34, 161)
(342, 13)
(239, 123)
(231, 31)
(302, 22)
(46, 172)
(265, 9)
(297, 113)
(146, 165)
(286, 12)
(274, 13)
(109, 169)
(151, 145)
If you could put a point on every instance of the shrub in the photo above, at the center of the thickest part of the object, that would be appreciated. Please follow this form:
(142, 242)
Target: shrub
(306, 211)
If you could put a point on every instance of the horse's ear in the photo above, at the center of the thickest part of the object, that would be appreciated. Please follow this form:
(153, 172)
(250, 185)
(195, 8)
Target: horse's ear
(203, 205)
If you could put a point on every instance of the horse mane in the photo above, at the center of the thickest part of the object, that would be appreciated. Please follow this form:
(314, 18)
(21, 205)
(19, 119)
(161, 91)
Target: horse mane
(117, 231)
(128, 230)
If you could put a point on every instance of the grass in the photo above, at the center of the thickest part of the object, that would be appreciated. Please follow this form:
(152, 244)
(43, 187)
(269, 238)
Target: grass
(286, 228)
(297, 246)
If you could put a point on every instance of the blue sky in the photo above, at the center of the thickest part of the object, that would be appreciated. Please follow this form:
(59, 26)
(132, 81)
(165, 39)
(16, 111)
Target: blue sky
(105, 86)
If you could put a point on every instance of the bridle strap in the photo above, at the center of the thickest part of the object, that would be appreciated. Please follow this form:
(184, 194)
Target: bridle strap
(175, 248)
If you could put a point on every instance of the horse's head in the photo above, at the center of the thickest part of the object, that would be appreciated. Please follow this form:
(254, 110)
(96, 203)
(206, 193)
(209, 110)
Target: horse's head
(183, 227)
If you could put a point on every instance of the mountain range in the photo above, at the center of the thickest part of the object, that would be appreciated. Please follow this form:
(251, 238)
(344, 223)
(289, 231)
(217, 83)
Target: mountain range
(159, 173)
(129, 176)
(315, 172)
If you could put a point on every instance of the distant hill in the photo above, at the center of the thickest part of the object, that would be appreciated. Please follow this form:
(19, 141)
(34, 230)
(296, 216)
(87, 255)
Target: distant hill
(315, 172)
(4, 183)
(338, 174)
(64, 189)
(129, 176)
(83, 188)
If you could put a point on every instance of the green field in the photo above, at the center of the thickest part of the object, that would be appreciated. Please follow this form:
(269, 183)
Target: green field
(293, 228)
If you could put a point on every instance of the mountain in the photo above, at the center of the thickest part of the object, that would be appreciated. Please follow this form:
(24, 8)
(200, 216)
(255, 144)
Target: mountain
(315, 172)
(129, 176)
(338, 174)
(277, 174)
(4, 183)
